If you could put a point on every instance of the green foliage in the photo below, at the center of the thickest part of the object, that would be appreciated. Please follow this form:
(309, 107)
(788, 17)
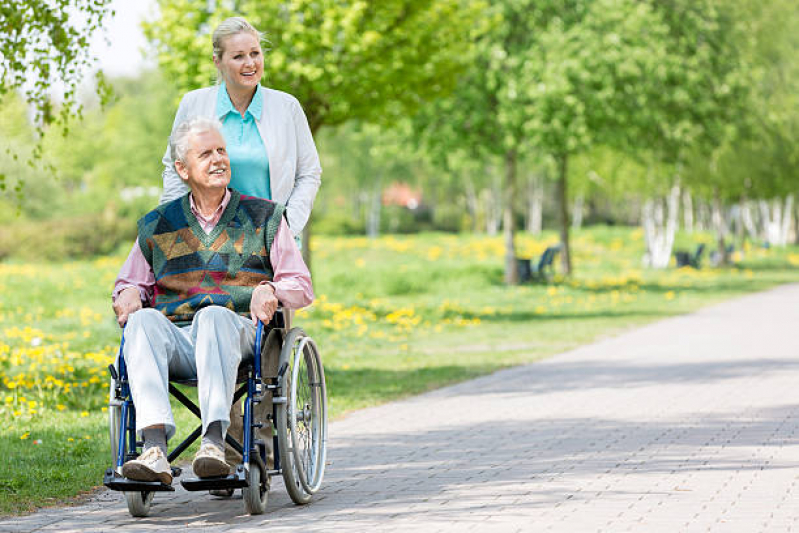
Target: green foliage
(759, 156)
(374, 61)
(66, 238)
(552, 78)
(338, 222)
(94, 183)
(122, 145)
(42, 44)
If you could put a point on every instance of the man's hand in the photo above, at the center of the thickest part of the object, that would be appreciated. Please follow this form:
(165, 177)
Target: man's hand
(128, 302)
(263, 303)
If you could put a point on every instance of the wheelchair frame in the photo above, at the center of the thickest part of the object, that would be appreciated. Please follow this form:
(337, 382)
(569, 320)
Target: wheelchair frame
(299, 427)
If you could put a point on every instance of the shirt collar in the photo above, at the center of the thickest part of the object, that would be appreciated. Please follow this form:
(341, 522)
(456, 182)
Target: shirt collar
(225, 106)
(217, 213)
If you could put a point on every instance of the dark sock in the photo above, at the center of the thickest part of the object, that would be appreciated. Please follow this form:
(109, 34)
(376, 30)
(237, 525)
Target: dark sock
(154, 437)
(213, 435)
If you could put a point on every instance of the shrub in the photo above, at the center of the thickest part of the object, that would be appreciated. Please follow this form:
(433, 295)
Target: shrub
(66, 238)
(338, 223)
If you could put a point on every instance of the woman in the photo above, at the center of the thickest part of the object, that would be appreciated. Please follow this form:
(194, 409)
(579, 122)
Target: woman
(271, 150)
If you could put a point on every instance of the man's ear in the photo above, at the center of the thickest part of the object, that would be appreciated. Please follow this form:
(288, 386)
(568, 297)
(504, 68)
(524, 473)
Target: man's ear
(183, 172)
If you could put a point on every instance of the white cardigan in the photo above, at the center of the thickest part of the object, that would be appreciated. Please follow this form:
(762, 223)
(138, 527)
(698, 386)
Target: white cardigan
(294, 168)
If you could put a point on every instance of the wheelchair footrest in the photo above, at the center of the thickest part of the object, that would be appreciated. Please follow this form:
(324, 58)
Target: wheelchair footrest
(114, 481)
(236, 480)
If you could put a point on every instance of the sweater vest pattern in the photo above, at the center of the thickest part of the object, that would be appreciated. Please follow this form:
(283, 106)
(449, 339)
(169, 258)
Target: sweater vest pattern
(194, 269)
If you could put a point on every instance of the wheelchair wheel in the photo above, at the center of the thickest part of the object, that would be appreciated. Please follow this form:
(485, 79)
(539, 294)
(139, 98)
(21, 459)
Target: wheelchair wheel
(302, 420)
(257, 493)
(139, 503)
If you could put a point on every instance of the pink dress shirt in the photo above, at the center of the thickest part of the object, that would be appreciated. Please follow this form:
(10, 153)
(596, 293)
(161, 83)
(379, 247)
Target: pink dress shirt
(291, 281)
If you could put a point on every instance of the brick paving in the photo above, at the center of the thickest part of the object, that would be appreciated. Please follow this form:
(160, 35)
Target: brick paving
(688, 424)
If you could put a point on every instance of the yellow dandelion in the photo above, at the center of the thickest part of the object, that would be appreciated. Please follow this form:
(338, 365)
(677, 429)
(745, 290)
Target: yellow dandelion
(60, 407)
(84, 414)
(25, 435)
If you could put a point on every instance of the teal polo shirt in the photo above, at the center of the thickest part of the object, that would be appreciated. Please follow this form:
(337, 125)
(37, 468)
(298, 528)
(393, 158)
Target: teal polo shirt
(249, 164)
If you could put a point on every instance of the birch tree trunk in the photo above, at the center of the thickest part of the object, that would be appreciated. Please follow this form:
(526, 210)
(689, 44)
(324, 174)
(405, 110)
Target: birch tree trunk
(563, 213)
(508, 222)
(748, 220)
(577, 212)
(688, 211)
(785, 223)
(491, 208)
(375, 207)
(660, 227)
(721, 228)
(493, 205)
(535, 205)
(703, 216)
(472, 202)
(766, 227)
(796, 223)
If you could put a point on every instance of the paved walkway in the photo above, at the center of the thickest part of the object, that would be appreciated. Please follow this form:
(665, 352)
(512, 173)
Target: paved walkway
(689, 424)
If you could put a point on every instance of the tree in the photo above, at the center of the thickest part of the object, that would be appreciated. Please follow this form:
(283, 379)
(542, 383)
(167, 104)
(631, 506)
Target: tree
(552, 78)
(703, 103)
(370, 60)
(758, 159)
(44, 43)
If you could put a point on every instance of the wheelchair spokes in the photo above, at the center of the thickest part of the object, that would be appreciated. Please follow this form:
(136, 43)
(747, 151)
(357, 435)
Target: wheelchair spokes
(299, 417)
(302, 424)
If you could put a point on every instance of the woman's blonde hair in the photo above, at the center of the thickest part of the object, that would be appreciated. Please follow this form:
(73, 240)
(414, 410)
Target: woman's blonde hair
(230, 27)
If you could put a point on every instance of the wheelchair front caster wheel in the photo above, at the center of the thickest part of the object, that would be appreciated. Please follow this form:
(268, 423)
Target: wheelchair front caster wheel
(222, 493)
(256, 494)
(139, 503)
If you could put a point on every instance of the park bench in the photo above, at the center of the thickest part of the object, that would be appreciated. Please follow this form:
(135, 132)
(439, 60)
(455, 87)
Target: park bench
(685, 258)
(542, 270)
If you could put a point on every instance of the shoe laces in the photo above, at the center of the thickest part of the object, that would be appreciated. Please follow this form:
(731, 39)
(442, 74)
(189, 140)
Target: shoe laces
(211, 449)
(152, 453)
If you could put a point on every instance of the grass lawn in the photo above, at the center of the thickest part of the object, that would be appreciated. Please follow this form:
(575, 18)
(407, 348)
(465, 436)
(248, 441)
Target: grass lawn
(394, 316)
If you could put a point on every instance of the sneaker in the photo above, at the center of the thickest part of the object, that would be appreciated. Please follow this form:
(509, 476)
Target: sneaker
(210, 462)
(151, 465)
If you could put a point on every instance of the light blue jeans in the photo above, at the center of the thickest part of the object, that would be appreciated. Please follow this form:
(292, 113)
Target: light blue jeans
(209, 350)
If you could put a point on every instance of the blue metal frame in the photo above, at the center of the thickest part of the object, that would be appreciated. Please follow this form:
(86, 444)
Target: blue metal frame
(254, 386)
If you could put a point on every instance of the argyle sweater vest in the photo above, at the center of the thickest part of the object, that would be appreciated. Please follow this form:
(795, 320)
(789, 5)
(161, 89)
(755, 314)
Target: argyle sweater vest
(194, 269)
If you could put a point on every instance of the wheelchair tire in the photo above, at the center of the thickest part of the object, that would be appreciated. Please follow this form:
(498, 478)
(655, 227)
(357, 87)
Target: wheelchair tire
(256, 494)
(302, 420)
(139, 503)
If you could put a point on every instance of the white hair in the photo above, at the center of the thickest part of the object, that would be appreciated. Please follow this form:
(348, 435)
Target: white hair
(179, 141)
(230, 27)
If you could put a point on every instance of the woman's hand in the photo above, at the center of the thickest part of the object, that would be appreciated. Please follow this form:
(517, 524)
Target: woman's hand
(263, 303)
(128, 302)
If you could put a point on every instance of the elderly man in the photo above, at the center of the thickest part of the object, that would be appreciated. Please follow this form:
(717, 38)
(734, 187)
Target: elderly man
(201, 262)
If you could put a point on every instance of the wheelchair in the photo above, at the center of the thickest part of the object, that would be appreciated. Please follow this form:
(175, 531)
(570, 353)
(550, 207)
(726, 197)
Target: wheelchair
(298, 420)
